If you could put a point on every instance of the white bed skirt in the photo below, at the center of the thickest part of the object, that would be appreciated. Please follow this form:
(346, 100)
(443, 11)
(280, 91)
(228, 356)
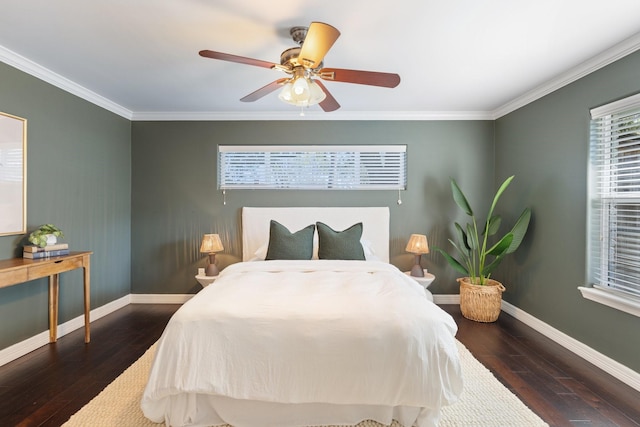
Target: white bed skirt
(220, 410)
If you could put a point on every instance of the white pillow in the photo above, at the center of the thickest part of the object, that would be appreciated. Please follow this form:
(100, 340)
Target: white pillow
(261, 253)
(369, 253)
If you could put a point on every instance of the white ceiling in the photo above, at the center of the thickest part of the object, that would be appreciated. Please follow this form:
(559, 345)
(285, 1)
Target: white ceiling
(456, 58)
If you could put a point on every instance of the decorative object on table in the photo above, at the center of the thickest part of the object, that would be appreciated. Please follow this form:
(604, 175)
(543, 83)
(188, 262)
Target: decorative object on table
(417, 245)
(13, 175)
(47, 253)
(480, 296)
(36, 248)
(46, 234)
(210, 245)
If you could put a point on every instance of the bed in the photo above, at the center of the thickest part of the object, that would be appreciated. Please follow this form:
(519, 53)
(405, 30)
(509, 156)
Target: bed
(307, 342)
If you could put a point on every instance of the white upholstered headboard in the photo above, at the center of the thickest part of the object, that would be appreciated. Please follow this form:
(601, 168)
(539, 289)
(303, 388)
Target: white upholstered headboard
(375, 225)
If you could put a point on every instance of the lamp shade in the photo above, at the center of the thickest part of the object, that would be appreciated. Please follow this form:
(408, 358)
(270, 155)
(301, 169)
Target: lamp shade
(418, 244)
(303, 92)
(211, 243)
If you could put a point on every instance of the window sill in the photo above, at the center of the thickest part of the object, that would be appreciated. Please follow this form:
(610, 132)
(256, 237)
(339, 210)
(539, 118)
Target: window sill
(613, 299)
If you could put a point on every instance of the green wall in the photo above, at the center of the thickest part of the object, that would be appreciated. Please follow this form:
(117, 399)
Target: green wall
(78, 177)
(141, 195)
(546, 144)
(175, 200)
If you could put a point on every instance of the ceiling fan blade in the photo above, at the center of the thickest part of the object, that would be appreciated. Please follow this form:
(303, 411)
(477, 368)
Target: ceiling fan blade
(320, 37)
(329, 103)
(264, 90)
(372, 78)
(235, 58)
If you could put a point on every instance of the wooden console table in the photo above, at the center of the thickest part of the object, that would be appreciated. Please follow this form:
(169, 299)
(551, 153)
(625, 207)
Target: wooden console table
(19, 270)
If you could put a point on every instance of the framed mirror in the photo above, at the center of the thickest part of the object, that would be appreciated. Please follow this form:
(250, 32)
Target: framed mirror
(13, 175)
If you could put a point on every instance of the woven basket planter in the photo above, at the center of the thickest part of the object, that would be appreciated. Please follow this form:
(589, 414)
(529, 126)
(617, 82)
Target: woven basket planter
(480, 302)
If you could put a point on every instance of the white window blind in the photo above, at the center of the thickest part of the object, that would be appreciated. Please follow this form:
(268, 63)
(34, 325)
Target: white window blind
(312, 167)
(614, 192)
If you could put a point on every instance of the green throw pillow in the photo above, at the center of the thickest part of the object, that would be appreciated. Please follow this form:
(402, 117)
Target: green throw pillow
(286, 245)
(343, 245)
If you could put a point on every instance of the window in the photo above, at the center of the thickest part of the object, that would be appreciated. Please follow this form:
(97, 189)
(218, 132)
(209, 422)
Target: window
(614, 205)
(330, 167)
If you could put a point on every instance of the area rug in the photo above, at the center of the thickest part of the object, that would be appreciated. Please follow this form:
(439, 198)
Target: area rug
(485, 402)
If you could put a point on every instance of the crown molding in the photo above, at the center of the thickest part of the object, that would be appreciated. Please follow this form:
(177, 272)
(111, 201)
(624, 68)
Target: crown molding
(26, 65)
(617, 52)
(311, 115)
(611, 55)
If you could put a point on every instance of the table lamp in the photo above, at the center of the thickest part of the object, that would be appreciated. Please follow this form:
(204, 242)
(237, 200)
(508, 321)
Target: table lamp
(210, 245)
(417, 245)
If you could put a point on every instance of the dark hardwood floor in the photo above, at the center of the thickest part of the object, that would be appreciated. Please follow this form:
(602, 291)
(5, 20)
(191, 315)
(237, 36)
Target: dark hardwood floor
(45, 387)
(563, 389)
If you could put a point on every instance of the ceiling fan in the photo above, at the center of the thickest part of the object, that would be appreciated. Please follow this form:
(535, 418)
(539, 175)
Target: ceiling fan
(304, 65)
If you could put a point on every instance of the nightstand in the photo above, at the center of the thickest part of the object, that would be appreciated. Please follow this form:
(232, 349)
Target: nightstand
(205, 280)
(424, 281)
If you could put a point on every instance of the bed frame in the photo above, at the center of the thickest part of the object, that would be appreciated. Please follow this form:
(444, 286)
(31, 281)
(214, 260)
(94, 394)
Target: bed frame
(375, 221)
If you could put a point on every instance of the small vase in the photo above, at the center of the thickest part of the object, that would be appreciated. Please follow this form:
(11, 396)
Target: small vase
(51, 239)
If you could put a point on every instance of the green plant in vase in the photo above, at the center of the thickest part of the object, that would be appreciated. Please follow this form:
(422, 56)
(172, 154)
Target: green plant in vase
(46, 234)
(476, 256)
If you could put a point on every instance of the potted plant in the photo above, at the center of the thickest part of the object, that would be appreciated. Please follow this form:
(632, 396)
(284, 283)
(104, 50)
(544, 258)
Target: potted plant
(46, 234)
(476, 257)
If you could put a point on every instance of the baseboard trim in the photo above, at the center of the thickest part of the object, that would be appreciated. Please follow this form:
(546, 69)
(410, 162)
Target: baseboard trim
(610, 366)
(24, 347)
(160, 298)
(446, 299)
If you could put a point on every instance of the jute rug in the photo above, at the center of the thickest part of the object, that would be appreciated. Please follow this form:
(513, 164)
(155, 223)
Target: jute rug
(485, 402)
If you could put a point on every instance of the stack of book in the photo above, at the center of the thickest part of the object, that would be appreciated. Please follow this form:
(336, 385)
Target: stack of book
(37, 252)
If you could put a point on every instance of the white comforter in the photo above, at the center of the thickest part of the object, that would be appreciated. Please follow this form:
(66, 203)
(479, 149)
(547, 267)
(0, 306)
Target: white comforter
(337, 332)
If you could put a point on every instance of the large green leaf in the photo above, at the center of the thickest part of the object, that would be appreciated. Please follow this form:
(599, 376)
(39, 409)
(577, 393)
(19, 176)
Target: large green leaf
(494, 225)
(459, 198)
(519, 230)
(453, 262)
(472, 238)
(486, 271)
(503, 187)
(502, 246)
(465, 253)
(462, 236)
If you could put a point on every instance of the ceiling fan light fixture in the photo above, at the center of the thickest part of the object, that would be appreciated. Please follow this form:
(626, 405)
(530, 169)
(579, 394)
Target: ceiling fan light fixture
(317, 94)
(285, 93)
(300, 89)
(303, 92)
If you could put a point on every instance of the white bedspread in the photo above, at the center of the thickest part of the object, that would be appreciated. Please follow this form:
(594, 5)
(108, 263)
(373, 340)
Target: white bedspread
(337, 332)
